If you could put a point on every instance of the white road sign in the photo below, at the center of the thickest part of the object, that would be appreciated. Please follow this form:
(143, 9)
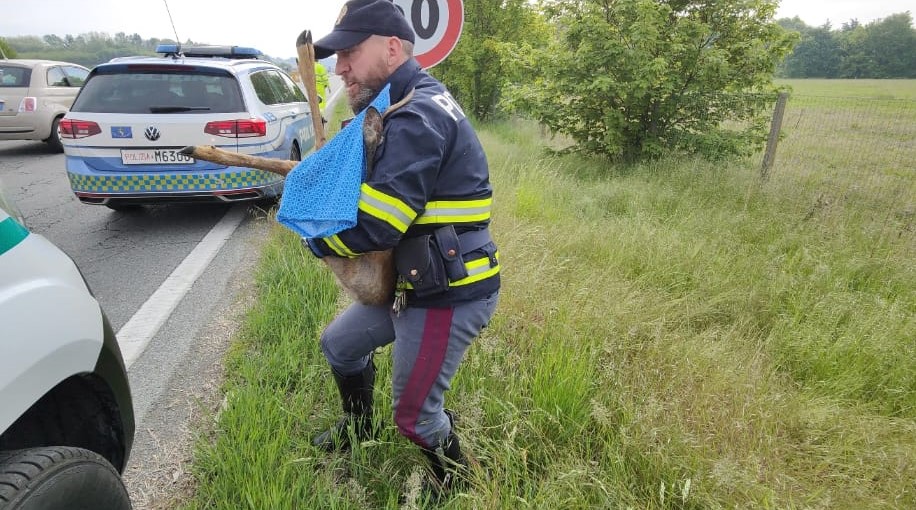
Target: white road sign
(437, 24)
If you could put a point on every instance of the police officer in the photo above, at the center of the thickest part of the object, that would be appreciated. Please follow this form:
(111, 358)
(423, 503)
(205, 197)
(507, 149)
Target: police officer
(429, 198)
(321, 84)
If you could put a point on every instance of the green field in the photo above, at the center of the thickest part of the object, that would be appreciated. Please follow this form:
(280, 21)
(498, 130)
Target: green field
(676, 334)
(880, 89)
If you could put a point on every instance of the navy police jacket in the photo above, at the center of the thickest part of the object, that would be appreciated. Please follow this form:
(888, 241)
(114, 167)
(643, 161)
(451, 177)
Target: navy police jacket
(429, 171)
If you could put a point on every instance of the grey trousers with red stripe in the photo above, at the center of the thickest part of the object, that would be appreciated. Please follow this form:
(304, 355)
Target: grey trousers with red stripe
(429, 344)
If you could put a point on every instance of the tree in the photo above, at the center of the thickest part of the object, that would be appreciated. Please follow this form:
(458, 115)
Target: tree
(856, 62)
(891, 42)
(88, 49)
(482, 64)
(851, 25)
(885, 48)
(636, 78)
(54, 41)
(795, 24)
(817, 55)
(6, 51)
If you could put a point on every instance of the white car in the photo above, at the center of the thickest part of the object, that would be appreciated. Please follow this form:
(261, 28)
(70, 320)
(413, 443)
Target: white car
(123, 134)
(66, 412)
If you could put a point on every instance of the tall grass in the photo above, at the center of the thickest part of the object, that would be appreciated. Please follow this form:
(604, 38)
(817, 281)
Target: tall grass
(670, 335)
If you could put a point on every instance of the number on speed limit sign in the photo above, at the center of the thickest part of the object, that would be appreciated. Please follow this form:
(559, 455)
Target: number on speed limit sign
(437, 24)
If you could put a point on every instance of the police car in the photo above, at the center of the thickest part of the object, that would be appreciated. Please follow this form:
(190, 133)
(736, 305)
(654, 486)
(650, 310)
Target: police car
(66, 413)
(124, 131)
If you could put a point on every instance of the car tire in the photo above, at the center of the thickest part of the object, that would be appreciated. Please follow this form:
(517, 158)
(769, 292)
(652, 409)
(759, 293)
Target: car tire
(295, 154)
(54, 138)
(58, 478)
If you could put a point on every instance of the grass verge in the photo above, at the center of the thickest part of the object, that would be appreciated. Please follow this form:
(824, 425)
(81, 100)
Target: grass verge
(670, 335)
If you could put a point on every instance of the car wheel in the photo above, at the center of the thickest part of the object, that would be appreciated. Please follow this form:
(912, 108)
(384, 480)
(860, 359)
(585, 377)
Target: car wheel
(54, 139)
(295, 154)
(58, 478)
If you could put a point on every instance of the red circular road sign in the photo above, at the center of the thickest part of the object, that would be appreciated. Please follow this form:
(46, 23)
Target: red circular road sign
(437, 24)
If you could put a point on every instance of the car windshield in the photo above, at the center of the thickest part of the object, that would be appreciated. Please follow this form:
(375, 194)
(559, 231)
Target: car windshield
(159, 92)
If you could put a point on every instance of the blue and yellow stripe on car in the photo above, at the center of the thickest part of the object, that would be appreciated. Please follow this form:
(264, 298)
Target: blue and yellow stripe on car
(11, 232)
(171, 182)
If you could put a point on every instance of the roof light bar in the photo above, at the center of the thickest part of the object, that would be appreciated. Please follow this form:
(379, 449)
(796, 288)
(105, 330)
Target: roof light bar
(208, 51)
(167, 48)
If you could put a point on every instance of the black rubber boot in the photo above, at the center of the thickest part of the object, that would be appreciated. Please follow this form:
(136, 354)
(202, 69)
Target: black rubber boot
(356, 395)
(449, 466)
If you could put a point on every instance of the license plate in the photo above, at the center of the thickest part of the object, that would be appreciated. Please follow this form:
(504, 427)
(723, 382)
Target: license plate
(155, 157)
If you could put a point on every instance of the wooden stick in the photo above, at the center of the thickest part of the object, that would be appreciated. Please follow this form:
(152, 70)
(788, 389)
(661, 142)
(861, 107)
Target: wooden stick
(306, 51)
(219, 156)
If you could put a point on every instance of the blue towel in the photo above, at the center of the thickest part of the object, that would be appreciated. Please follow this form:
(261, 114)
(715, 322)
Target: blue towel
(321, 194)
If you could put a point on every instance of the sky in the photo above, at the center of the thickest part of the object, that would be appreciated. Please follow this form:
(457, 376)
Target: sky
(272, 26)
(818, 12)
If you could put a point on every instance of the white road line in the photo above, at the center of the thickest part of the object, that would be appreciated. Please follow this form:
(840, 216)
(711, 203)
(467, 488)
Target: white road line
(137, 333)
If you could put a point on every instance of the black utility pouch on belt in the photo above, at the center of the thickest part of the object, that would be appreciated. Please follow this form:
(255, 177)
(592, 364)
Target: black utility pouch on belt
(451, 253)
(419, 262)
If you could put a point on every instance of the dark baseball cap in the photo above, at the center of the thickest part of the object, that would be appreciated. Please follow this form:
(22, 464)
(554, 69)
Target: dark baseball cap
(358, 20)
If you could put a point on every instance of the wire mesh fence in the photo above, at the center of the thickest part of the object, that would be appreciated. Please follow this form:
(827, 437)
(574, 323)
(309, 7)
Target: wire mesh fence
(854, 160)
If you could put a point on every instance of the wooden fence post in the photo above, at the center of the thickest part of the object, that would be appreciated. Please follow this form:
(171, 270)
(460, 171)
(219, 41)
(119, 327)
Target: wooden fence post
(775, 126)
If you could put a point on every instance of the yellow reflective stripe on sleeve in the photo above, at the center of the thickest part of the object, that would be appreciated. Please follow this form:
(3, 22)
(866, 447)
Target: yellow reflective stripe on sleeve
(456, 211)
(386, 208)
(478, 269)
(338, 246)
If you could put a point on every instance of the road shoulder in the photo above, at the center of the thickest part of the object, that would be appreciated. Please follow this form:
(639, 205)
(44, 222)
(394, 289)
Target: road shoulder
(176, 411)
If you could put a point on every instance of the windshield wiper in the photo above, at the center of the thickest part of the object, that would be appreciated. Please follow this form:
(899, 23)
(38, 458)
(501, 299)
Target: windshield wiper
(176, 109)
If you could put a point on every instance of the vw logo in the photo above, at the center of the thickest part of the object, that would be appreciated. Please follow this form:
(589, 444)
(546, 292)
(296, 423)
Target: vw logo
(151, 134)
